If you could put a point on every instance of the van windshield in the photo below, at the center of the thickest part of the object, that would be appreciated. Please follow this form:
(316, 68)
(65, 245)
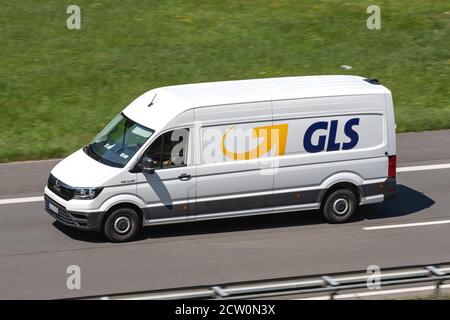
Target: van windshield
(118, 142)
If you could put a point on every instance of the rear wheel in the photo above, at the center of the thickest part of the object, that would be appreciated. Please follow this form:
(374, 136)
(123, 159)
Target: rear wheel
(339, 206)
(122, 225)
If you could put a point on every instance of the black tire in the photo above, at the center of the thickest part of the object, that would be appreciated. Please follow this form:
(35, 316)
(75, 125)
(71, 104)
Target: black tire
(339, 206)
(122, 225)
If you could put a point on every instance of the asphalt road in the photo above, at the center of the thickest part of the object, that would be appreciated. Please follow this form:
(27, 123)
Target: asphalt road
(35, 251)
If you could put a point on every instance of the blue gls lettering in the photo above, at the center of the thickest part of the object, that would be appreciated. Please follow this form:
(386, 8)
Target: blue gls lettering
(309, 147)
(352, 134)
(332, 144)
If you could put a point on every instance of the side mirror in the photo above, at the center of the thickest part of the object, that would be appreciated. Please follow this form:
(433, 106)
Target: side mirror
(147, 165)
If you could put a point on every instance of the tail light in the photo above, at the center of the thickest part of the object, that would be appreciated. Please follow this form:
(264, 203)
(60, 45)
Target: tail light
(392, 166)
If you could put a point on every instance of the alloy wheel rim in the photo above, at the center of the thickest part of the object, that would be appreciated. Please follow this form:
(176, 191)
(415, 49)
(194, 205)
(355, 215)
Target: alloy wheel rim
(341, 206)
(122, 225)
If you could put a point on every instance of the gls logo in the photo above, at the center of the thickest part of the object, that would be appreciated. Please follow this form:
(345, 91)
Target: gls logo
(332, 145)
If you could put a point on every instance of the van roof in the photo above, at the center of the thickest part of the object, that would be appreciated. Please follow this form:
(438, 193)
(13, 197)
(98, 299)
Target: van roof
(241, 91)
(173, 100)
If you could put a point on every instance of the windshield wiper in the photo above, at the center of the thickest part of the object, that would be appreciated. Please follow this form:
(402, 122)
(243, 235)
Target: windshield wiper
(88, 149)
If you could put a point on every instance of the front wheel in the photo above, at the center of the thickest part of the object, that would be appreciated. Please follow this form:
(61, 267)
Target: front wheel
(339, 206)
(122, 225)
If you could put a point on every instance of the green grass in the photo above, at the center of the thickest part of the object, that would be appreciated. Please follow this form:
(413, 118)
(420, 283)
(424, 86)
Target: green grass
(59, 87)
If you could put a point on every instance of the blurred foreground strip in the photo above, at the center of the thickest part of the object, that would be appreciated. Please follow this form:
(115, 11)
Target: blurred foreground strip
(398, 280)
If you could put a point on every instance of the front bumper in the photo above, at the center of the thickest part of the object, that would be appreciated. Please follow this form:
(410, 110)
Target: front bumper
(77, 219)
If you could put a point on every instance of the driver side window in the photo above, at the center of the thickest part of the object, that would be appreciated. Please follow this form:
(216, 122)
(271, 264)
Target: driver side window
(170, 149)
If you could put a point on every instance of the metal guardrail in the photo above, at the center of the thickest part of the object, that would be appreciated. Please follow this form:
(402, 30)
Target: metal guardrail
(330, 284)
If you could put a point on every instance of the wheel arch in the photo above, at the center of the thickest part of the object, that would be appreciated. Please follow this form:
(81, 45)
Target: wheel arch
(342, 180)
(123, 205)
(122, 201)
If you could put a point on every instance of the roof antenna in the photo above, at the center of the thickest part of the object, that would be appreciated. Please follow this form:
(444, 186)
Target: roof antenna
(151, 102)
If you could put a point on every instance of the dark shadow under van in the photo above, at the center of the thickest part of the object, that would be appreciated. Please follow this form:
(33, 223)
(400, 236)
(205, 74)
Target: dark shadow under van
(407, 202)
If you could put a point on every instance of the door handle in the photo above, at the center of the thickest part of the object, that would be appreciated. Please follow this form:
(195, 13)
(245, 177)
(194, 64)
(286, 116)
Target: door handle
(184, 177)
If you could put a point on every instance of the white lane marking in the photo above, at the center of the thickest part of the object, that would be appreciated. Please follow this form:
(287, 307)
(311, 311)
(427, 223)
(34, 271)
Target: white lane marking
(30, 162)
(376, 293)
(21, 200)
(426, 167)
(407, 225)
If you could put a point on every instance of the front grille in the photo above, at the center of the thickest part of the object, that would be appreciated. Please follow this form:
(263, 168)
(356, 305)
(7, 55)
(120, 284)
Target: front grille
(61, 189)
(61, 215)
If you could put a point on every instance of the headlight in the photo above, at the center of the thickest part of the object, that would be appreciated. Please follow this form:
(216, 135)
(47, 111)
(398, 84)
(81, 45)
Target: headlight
(86, 193)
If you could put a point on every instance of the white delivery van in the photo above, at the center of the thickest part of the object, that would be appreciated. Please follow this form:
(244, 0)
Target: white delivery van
(229, 149)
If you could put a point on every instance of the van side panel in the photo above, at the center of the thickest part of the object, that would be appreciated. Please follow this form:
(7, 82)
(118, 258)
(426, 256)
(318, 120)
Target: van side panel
(226, 181)
(343, 137)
